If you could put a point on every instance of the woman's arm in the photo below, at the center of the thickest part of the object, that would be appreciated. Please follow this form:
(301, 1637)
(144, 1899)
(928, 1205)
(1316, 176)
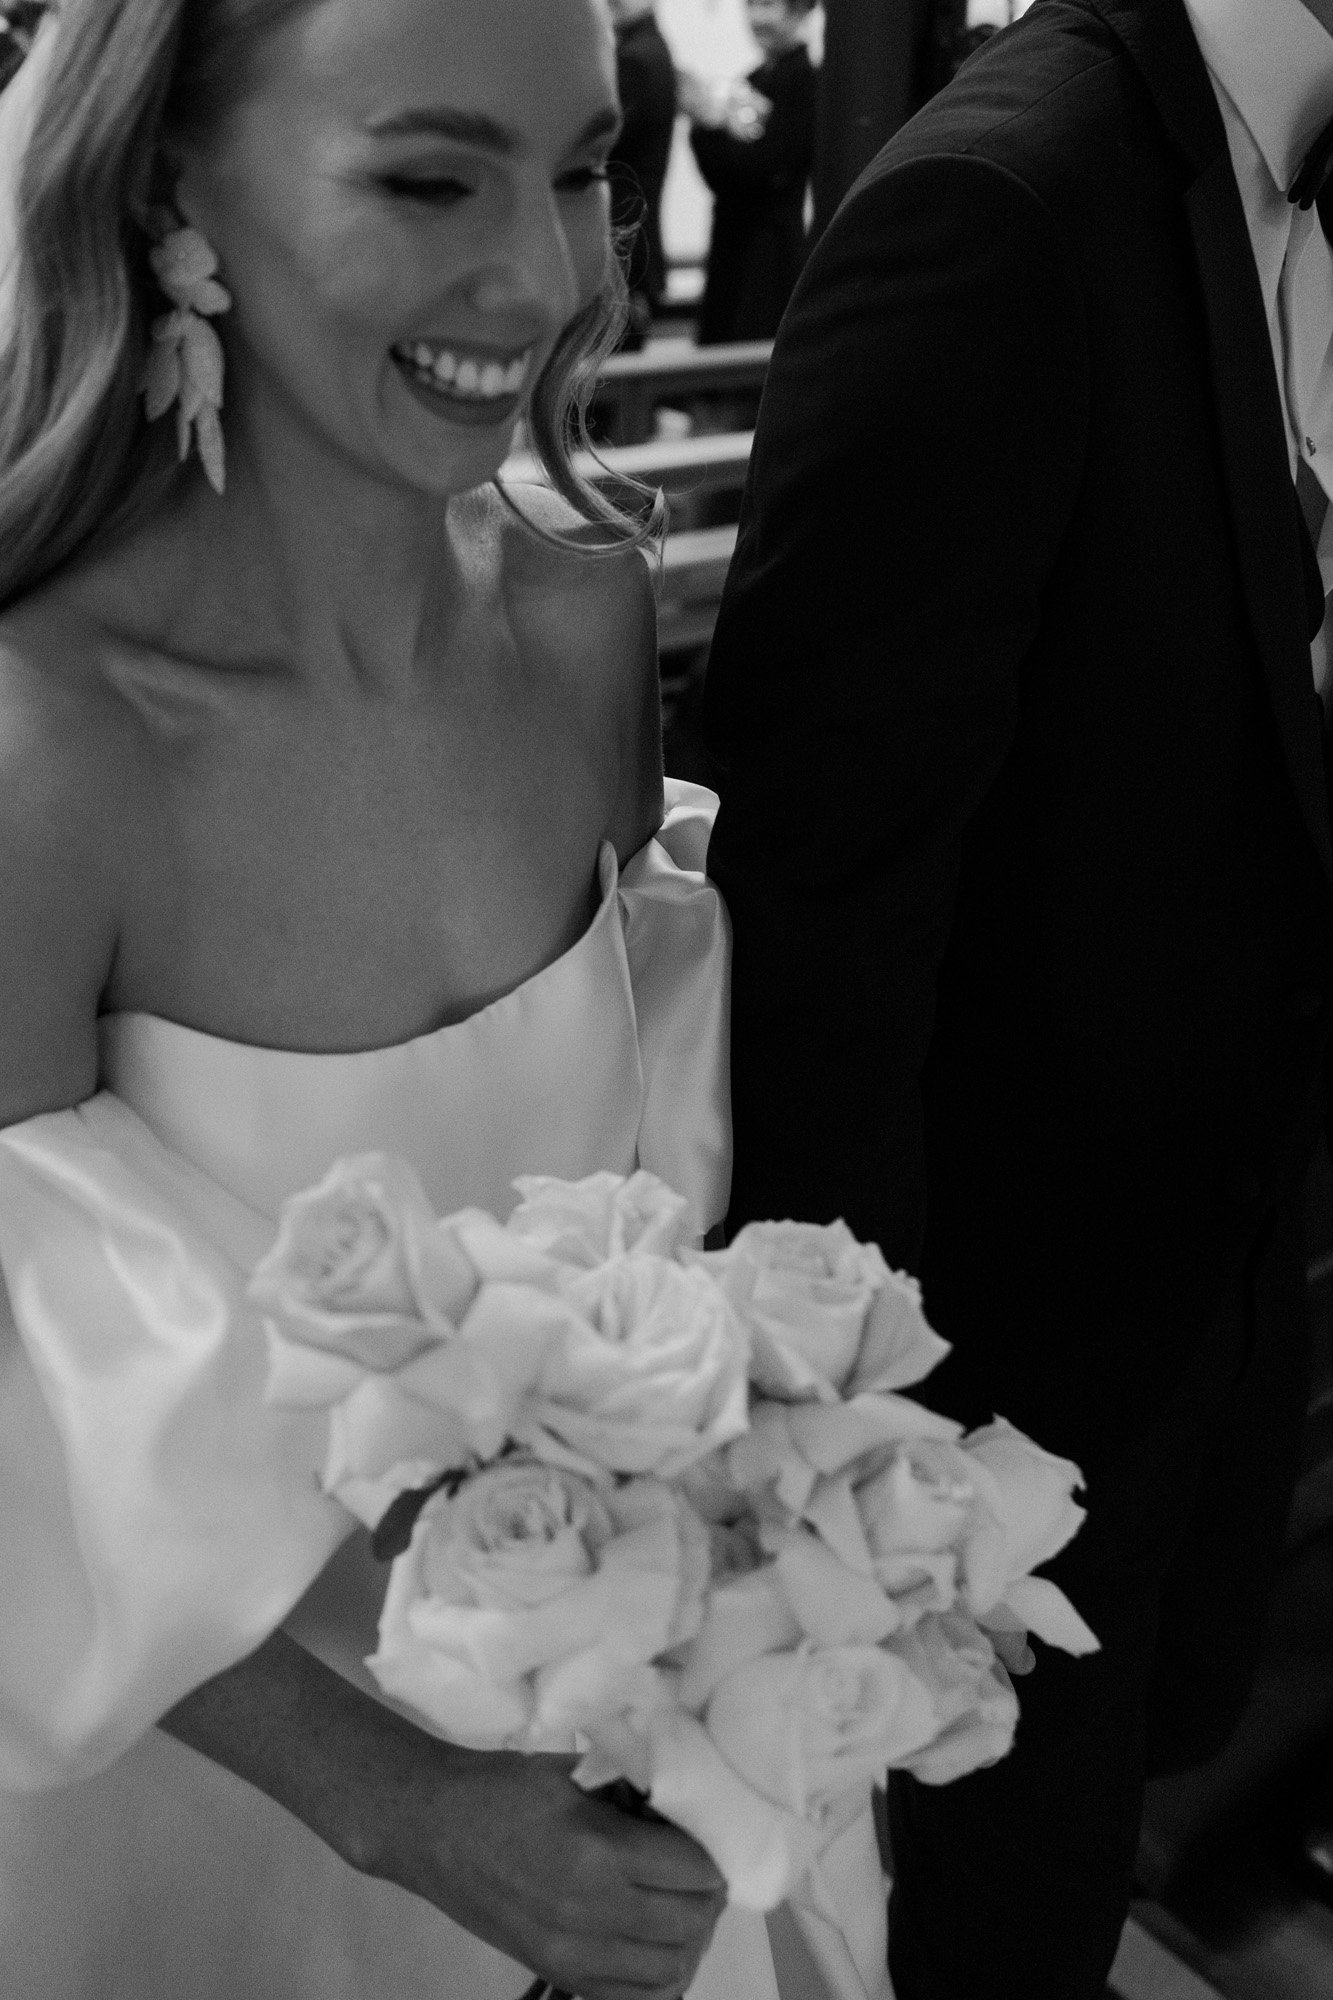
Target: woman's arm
(70, 777)
(609, 1906)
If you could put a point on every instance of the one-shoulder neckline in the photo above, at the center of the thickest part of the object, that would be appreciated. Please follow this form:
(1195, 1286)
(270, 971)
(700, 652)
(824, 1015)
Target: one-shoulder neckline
(608, 868)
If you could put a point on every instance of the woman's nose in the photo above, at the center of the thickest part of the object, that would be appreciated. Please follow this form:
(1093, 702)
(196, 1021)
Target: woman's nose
(531, 268)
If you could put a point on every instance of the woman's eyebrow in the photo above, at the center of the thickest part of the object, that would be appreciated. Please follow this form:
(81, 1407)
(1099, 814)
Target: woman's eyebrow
(475, 128)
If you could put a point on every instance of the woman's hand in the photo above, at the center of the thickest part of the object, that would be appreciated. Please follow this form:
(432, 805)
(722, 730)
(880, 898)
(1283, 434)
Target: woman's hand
(602, 1904)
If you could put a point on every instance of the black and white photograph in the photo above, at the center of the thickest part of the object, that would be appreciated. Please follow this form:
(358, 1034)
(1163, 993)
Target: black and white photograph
(666, 999)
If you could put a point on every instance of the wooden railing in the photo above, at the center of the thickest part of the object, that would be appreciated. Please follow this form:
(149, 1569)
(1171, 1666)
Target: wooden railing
(694, 559)
(632, 387)
(683, 468)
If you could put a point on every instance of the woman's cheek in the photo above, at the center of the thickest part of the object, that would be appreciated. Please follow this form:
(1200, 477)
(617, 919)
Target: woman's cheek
(589, 239)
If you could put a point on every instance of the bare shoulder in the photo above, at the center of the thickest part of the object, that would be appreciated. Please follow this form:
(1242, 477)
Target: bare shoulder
(73, 779)
(597, 613)
(550, 550)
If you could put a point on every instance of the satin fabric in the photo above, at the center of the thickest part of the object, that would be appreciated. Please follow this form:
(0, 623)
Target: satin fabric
(158, 1519)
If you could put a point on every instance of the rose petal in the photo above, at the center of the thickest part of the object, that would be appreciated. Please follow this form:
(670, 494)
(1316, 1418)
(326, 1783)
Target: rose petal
(1034, 1493)
(377, 1427)
(463, 1706)
(830, 1438)
(1046, 1610)
(585, 1223)
(803, 1725)
(575, 1693)
(899, 1346)
(832, 1511)
(761, 1851)
(979, 1738)
(377, 1343)
(742, 1621)
(302, 1377)
(835, 1605)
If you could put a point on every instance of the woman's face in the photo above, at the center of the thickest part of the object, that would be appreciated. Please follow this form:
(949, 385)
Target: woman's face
(774, 25)
(409, 208)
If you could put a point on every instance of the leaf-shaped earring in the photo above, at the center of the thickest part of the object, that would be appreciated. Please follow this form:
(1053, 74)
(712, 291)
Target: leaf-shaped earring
(185, 361)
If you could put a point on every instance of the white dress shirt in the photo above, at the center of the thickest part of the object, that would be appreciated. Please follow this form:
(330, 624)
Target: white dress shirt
(1271, 64)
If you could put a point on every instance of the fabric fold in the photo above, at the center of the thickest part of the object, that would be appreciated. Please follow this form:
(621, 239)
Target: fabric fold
(678, 942)
(159, 1519)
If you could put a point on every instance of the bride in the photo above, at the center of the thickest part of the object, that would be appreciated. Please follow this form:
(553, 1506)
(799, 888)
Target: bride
(332, 818)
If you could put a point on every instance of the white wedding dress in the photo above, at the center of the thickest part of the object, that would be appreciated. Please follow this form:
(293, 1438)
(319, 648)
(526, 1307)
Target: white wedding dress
(158, 1519)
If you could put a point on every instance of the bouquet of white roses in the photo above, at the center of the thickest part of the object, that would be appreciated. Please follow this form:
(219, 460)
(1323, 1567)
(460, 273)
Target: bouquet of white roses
(667, 1508)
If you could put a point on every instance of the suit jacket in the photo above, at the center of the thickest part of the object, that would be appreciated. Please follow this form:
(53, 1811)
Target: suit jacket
(758, 235)
(646, 81)
(1025, 826)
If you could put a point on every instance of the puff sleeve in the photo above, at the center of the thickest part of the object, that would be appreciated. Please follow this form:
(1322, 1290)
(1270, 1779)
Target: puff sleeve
(678, 944)
(157, 1518)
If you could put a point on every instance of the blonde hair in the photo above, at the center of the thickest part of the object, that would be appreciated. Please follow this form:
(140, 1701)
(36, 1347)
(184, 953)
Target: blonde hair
(77, 459)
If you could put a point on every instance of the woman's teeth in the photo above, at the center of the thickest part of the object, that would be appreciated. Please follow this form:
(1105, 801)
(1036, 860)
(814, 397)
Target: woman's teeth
(477, 381)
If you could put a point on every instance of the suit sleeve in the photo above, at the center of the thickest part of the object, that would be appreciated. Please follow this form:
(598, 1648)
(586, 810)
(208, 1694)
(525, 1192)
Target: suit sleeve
(918, 457)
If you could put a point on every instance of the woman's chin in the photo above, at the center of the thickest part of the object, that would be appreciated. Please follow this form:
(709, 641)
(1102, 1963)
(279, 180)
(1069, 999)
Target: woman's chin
(438, 465)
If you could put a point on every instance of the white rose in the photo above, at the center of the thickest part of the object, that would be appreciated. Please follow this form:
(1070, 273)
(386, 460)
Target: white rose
(792, 1449)
(362, 1268)
(420, 1336)
(587, 1222)
(805, 1726)
(782, 1758)
(826, 1316)
(974, 1700)
(1030, 1516)
(532, 1603)
(650, 1376)
(918, 1514)
(931, 1517)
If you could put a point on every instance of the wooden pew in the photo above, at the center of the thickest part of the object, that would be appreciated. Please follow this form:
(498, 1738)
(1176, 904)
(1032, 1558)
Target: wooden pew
(632, 386)
(683, 467)
(694, 559)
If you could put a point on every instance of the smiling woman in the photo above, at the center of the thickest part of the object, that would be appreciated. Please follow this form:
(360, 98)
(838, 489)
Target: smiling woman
(332, 819)
(139, 89)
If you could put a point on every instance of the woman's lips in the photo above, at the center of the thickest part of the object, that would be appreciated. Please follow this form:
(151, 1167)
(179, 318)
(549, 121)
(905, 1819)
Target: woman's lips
(473, 387)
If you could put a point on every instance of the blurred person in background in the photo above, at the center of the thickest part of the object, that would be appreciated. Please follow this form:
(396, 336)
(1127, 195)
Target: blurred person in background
(646, 81)
(18, 24)
(754, 142)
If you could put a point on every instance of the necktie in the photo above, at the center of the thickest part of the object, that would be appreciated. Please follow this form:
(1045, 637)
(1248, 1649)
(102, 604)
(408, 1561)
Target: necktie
(1305, 308)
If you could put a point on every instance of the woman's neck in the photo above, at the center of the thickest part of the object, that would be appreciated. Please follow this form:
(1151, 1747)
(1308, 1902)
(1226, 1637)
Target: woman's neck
(307, 561)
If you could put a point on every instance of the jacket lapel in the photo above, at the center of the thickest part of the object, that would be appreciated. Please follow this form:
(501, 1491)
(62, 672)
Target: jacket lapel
(1264, 511)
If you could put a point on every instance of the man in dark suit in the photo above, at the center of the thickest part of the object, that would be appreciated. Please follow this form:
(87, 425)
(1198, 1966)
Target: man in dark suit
(646, 81)
(1025, 837)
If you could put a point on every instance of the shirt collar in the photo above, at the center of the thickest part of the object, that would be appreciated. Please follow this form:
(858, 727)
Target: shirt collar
(1275, 62)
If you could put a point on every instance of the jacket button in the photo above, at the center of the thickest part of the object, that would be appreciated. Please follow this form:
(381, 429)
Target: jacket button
(1307, 1003)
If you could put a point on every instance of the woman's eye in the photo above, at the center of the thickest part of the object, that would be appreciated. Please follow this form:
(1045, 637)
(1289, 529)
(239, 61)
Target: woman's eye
(440, 189)
(582, 178)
